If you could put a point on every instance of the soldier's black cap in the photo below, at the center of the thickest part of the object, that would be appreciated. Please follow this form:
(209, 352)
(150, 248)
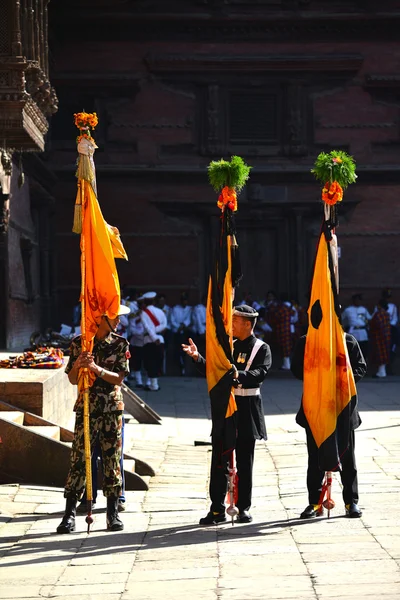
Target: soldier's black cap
(245, 311)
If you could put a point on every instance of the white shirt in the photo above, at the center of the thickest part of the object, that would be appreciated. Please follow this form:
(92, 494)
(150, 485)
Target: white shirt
(124, 319)
(136, 331)
(180, 315)
(199, 319)
(167, 312)
(152, 332)
(356, 318)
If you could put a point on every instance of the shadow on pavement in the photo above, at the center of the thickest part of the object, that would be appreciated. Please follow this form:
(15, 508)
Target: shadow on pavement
(88, 546)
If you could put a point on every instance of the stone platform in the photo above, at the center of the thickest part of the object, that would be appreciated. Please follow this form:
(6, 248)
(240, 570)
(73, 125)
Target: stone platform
(44, 392)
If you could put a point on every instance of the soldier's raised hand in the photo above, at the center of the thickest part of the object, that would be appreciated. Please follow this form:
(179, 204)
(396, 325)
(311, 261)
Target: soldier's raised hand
(191, 349)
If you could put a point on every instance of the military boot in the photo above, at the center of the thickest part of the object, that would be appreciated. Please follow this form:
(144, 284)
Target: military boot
(114, 523)
(68, 521)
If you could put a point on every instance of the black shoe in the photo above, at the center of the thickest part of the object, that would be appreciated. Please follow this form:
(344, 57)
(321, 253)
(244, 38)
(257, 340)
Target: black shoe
(310, 512)
(114, 523)
(212, 519)
(68, 521)
(146, 388)
(244, 517)
(139, 385)
(352, 511)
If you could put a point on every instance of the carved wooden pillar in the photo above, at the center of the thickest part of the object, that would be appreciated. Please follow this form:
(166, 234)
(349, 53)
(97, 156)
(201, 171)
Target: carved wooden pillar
(36, 28)
(45, 66)
(41, 33)
(5, 180)
(16, 45)
(31, 31)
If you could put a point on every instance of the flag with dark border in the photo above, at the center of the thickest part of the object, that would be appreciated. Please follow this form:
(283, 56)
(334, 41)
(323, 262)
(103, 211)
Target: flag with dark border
(226, 177)
(328, 380)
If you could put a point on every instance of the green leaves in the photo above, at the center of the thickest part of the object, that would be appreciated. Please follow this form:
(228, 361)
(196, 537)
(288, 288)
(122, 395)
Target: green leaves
(233, 173)
(335, 166)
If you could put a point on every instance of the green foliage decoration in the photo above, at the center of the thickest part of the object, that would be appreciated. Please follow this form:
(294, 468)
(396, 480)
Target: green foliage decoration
(233, 173)
(335, 166)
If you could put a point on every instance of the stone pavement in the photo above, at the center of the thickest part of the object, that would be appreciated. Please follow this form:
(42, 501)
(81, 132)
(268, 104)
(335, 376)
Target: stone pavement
(163, 553)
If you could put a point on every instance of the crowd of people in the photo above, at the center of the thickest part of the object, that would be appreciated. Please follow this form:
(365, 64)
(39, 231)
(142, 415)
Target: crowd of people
(376, 333)
(283, 321)
(156, 331)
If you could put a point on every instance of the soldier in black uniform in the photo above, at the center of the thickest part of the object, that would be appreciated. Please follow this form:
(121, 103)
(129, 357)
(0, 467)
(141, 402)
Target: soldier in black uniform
(252, 358)
(348, 473)
(109, 363)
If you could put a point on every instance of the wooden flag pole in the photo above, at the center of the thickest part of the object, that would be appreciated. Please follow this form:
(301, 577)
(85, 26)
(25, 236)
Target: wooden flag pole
(86, 407)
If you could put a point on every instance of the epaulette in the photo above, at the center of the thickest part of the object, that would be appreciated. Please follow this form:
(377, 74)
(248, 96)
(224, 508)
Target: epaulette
(121, 337)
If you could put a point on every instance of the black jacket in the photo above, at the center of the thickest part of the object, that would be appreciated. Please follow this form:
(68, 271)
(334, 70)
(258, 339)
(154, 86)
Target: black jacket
(358, 366)
(251, 419)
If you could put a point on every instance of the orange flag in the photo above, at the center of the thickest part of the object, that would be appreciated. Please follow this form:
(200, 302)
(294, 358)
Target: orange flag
(219, 368)
(100, 245)
(101, 291)
(328, 378)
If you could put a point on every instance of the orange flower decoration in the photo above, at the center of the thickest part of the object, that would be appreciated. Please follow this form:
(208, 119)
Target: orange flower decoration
(227, 198)
(85, 120)
(332, 193)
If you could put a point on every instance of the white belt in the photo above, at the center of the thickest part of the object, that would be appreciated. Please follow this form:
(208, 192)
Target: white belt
(247, 391)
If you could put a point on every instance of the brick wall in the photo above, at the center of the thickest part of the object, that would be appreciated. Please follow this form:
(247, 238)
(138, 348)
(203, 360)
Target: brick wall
(24, 297)
(150, 139)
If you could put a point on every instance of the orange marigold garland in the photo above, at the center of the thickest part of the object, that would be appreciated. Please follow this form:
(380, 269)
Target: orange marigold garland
(85, 122)
(332, 193)
(227, 198)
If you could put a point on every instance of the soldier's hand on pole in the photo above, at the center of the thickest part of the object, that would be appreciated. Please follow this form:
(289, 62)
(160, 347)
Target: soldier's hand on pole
(191, 350)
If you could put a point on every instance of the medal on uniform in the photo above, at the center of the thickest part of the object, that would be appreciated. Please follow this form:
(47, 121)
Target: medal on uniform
(241, 358)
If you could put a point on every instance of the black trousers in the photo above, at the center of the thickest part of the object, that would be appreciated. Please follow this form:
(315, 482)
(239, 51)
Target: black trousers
(153, 359)
(220, 474)
(136, 357)
(348, 473)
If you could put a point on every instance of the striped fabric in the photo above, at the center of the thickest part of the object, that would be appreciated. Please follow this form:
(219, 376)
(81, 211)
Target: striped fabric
(380, 337)
(282, 316)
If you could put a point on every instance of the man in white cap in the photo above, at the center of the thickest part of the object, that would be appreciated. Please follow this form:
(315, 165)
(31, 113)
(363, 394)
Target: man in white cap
(154, 323)
(252, 359)
(109, 361)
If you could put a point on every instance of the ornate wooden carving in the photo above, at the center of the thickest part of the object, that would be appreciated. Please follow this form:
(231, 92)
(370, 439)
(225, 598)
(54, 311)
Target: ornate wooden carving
(26, 96)
(5, 180)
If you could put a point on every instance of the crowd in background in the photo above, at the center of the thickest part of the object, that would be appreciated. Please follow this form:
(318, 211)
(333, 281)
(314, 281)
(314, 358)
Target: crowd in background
(282, 320)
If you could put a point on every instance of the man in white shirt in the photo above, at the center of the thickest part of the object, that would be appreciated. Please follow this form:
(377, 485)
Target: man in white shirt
(355, 319)
(181, 320)
(154, 323)
(199, 325)
(161, 303)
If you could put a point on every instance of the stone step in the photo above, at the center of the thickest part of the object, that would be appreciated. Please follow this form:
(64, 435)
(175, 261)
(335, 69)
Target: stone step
(15, 416)
(51, 431)
(129, 465)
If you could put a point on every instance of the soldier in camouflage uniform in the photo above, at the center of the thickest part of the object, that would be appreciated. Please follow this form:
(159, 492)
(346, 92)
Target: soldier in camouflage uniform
(109, 363)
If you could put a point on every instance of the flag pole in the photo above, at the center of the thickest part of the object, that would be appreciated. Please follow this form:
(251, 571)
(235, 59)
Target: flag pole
(84, 121)
(86, 405)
